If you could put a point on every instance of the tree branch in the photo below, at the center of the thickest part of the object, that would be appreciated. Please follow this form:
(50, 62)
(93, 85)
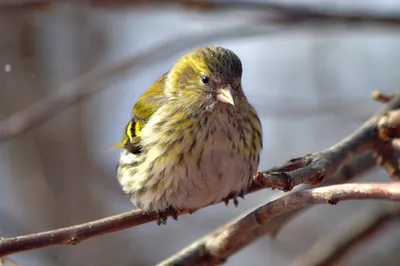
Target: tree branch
(6, 261)
(218, 246)
(307, 169)
(281, 12)
(74, 234)
(333, 247)
(347, 173)
(317, 167)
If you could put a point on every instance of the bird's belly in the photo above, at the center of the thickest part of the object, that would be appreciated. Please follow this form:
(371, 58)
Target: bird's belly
(220, 174)
(208, 173)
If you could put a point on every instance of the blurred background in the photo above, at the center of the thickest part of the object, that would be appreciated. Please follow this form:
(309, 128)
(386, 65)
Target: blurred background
(310, 81)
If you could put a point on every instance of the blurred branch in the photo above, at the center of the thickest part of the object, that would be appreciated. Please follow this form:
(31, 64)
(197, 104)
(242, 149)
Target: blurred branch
(75, 90)
(333, 247)
(91, 82)
(218, 246)
(6, 261)
(309, 169)
(276, 12)
(288, 13)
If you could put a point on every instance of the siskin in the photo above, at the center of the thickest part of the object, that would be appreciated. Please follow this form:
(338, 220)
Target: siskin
(193, 139)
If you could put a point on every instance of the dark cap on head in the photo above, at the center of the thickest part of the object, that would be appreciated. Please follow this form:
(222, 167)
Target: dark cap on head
(222, 62)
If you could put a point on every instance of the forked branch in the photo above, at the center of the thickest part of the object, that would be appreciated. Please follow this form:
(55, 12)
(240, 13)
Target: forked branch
(219, 245)
(310, 169)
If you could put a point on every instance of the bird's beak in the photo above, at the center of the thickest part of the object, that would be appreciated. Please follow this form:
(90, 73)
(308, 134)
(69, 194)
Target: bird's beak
(225, 95)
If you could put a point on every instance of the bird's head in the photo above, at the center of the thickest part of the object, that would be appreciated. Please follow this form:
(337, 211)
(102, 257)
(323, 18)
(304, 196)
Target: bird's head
(210, 76)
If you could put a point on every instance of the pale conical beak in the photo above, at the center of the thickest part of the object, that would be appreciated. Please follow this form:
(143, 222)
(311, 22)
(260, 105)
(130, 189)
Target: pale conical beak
(225, 95)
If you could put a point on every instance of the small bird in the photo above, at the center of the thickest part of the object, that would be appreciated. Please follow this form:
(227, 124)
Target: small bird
(193, 138)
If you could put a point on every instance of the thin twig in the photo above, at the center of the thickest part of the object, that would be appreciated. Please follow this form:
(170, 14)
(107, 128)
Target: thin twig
(6, 261)
(380, 97)
(331, 248)
(219, 245)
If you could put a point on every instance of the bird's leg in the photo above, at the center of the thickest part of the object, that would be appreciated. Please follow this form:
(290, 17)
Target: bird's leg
(162, 216)
(226, 201)
(234, 198)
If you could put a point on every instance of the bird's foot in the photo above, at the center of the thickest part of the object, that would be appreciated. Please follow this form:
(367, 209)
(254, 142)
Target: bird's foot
(234, 198)
(162, 216)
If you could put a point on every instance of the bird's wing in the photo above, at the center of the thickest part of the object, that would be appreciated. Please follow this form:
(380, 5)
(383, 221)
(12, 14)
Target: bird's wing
(144, 108)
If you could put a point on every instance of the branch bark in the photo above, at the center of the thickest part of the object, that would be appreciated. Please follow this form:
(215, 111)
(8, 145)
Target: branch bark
(219, 245)
(317, 167)
(333, 247)
(306, 169)
(75, 234)
(347, 173)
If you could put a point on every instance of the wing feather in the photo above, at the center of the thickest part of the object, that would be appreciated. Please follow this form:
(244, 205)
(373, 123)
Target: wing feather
(145, 107)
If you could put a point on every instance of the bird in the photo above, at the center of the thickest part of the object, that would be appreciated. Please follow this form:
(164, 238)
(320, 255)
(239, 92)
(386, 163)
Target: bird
(193, 138)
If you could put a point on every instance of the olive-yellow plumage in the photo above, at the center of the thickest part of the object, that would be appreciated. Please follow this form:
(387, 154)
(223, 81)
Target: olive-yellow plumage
(193, 139)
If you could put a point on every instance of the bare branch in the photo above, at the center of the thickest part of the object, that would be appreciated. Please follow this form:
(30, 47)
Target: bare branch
(380, 97)
(284, 177)
(333, 247)
(218, 246)
(75, 234)
(317, 167)
(347, 173)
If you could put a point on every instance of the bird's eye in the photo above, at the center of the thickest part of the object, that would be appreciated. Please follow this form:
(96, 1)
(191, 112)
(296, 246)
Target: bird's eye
(205, 79)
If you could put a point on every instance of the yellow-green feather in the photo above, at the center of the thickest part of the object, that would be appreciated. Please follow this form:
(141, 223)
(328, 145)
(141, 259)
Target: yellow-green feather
(145, 107)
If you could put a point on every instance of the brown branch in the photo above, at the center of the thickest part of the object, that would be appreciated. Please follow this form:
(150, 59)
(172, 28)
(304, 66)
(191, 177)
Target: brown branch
(75, 234)
(347, 173)
(219, 245)
(380, 97)
(333, 247)
(6, 261)
(292, 173)
(317, 167)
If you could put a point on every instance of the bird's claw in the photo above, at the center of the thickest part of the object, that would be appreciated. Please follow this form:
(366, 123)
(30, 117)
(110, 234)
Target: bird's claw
(235, 200)
(161, 217)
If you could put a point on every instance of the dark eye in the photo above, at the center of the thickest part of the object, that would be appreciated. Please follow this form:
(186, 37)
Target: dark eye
(205, 79)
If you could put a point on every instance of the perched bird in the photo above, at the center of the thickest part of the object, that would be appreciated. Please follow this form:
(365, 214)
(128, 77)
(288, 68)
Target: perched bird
(193, 138)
